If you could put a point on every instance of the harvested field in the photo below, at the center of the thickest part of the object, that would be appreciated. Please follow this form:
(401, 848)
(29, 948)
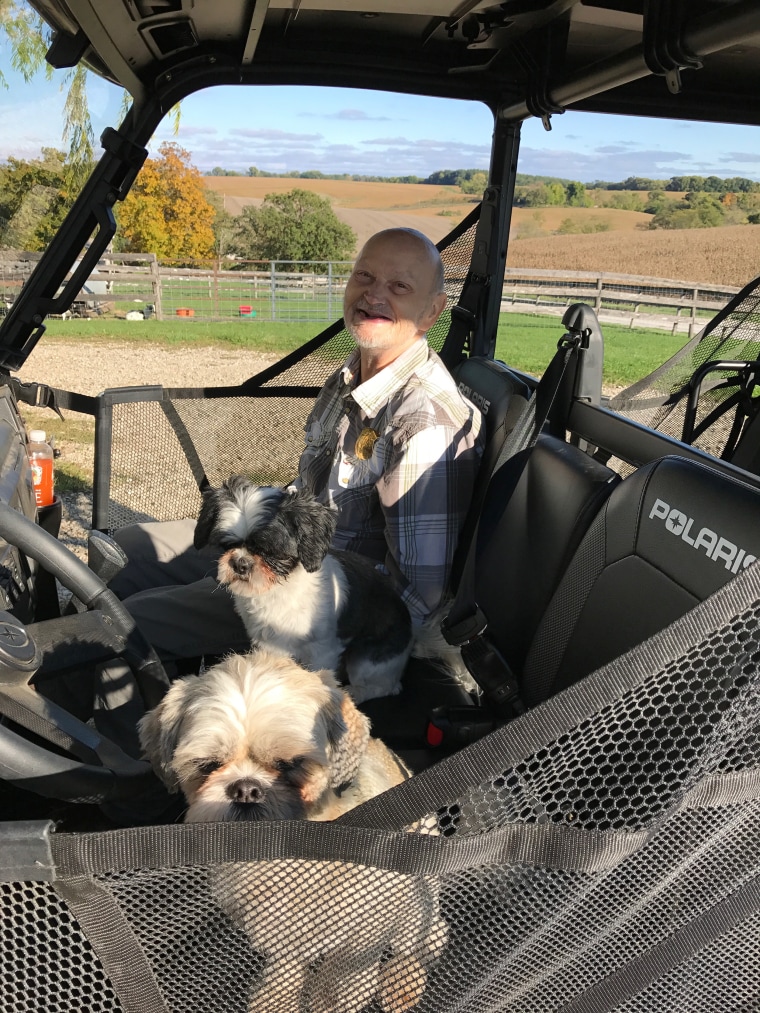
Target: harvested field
(721, 256)
(365, 207)
(347, 193)
(530, 222)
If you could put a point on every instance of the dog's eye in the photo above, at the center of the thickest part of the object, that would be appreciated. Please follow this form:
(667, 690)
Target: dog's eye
(207, 767)
(288, 766)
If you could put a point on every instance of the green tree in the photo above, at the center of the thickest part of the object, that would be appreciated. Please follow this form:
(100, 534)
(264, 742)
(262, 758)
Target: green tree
(556, 194)
(474, 183)
(698, 210)
(295, 226)
(223, 225)
(29, 40)
(657, 202)
(34, 198)
(575, 195)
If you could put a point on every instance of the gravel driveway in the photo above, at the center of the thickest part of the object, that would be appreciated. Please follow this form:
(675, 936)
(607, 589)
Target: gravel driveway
(91, 367)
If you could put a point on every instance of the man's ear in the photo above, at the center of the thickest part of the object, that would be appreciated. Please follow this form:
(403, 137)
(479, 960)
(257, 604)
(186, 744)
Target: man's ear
(437, 306)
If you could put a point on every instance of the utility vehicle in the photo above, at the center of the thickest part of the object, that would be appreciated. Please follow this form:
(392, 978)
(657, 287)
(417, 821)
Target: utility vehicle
(594, 812)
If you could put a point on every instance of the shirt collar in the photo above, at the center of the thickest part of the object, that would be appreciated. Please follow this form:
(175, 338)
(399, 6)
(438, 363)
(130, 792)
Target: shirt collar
(374, 394)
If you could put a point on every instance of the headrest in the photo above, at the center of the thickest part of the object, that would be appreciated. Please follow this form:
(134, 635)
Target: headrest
(491, 387)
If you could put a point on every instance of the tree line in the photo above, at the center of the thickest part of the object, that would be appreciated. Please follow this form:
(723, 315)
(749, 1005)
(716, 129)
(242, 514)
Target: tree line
(171, 212)
(695, 209)
(465, 178)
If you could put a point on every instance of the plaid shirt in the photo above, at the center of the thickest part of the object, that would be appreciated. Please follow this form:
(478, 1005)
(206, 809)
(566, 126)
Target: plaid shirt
(404, 505)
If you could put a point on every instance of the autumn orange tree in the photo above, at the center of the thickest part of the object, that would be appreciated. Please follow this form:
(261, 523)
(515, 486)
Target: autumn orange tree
(167, 211)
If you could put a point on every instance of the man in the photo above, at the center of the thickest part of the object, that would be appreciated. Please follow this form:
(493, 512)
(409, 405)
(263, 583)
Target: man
(390, 443)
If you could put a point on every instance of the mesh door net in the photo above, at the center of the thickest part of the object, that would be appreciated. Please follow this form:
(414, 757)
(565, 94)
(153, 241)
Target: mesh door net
(662, 399)
(599, 853)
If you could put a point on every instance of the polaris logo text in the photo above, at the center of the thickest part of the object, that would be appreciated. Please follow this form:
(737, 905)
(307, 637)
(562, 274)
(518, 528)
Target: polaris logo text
(714, 546)
(477, 399)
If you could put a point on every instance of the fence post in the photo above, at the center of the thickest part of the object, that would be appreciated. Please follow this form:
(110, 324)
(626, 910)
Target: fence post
(273, 288)
(155, 280)
(215, 309)
(329, 290)
(693, 320)
(598, 301)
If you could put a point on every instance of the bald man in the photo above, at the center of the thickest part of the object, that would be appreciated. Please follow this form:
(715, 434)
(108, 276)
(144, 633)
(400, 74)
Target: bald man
(401, 496)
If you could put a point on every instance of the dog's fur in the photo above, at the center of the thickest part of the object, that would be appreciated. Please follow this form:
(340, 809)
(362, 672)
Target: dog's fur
(259, 737)
(326, 608)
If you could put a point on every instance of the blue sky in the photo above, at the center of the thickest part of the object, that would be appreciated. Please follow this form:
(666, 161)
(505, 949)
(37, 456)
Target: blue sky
(381, 134)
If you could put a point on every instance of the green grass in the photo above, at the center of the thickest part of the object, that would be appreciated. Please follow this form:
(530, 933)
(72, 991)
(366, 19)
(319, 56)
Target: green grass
(72, 478)
(528, 343)
(524, 341)
(279, 338)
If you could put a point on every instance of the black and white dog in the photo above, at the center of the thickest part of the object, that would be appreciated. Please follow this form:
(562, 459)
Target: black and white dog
(323, 607)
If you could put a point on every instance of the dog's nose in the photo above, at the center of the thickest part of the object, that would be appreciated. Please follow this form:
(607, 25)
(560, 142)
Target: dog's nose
(241, 564)
(245, 791)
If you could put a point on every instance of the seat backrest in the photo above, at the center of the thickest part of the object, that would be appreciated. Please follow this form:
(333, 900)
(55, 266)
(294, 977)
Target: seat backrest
(501, 397)
(538, 506)
(669, 536)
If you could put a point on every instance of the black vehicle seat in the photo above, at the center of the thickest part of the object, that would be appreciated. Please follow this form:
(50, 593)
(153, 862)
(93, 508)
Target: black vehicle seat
(501, 396)
(669, 535)
(401, 720)
(537, 509)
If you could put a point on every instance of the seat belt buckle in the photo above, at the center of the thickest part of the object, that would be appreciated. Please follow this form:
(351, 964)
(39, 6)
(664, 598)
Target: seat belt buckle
(455, 727)
(464, 631)
(492, 672)
(462, 313)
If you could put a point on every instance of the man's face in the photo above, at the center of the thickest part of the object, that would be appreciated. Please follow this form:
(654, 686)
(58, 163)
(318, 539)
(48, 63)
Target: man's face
(391, 298)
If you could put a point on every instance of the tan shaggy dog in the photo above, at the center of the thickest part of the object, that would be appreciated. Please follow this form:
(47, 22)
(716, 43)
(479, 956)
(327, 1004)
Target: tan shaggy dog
(257, 737)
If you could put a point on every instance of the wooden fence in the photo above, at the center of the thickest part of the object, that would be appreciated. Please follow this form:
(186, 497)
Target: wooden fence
(629, 299)
(139, 286)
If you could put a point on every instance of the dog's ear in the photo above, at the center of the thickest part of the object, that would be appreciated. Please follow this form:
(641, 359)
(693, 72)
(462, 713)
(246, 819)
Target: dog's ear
(207, 518)
(313, 524)
(159, 730)
(347, 737)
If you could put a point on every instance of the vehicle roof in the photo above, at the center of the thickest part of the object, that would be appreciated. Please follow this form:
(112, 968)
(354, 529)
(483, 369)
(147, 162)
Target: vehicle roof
(521, 57)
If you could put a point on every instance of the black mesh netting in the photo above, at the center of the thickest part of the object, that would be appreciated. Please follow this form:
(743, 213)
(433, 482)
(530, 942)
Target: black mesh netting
(711, 414)
(160, 449)
(600, 853)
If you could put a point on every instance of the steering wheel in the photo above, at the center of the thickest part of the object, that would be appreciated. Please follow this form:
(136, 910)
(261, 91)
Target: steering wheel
(68, 759)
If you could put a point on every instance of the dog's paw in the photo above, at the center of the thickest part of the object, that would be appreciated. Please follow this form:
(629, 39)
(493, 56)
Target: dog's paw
(359, 694)
(402, 984)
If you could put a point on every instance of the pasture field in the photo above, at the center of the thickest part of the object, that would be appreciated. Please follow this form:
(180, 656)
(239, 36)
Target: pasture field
(524, 340)
(541, 222)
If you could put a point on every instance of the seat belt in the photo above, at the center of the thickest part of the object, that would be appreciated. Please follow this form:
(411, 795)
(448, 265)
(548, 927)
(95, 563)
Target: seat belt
(466, 313)
(466, 625)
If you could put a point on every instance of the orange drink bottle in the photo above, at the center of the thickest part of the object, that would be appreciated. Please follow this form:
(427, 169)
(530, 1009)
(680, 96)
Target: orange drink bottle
(41, 457)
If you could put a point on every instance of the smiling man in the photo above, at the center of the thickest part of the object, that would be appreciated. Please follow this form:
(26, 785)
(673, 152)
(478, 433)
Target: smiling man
(391, 444)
